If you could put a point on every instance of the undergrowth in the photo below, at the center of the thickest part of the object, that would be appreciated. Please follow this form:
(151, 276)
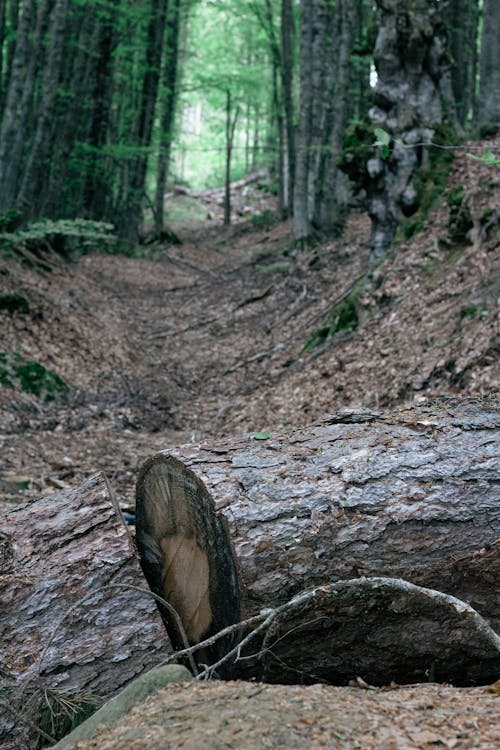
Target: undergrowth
(30, 376)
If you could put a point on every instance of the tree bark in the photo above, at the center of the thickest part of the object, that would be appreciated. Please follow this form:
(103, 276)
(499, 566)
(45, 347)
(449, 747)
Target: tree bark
(301, 223)
(69, 621)
(410, 58)
(489, 95)
(287, 45)
(168, 101)
(412, 496)
(230, 128)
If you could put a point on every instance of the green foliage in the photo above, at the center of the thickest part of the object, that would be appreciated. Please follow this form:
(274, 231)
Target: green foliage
(265, 220)
(383, 140)
(488, 158)
(359, 144)
(261, 435)
(65, 237)
(30, 376)
(57, 713)
(430, 180)
(10, 220)
(474, 312)
(460, 221)
(279, 266)
(343, 316)
(228, 51)
(14, 303)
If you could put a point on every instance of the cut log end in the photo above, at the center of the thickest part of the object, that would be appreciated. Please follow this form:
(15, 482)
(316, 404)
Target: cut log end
(185, 552)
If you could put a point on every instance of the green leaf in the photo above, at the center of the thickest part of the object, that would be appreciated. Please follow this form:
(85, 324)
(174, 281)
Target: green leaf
(383, 138)
(261, 435)
(488, 158)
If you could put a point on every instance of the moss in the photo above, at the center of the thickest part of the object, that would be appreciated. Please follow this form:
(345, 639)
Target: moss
(14, 303)
(460, 220)
(280, 266)
(430, 181)
(475, 311)
(343, 316)
(486, 216)
(30, 376)
(265, 220)
(358, 146)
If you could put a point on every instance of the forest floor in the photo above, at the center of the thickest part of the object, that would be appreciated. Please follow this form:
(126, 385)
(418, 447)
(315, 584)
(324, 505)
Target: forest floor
(209, 338)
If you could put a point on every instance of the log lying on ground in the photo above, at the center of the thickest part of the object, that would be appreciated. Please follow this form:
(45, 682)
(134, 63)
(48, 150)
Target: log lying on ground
(69, 621)
(412, 496)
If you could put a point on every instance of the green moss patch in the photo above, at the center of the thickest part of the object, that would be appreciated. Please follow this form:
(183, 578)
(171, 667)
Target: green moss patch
(30, 376)
(343, 316)
(430, 180)
(14, 303)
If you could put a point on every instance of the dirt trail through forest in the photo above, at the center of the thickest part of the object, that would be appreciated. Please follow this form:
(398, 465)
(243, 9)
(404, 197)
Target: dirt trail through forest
(208, 338)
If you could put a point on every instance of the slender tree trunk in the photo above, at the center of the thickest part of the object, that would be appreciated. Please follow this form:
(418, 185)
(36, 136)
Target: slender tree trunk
(36, 165)
(135, 186)
(334, 188)
(230, 128)
(96, 196)
(169, 98)
(301, 224)
(287, 45)
(256, 140)
(27, 111)
(13, 98)
(489, 92)
(3, 29)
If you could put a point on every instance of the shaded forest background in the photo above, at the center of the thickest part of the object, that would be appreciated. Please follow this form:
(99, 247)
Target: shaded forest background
(103, 103)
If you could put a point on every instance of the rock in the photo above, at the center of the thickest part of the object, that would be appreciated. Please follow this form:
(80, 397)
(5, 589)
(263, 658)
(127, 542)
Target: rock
(136, 692)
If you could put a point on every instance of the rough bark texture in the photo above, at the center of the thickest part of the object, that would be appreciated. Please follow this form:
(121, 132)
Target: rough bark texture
(410, 57)
(489, 97)
(413, 496)
(71, 549)
(380, 629)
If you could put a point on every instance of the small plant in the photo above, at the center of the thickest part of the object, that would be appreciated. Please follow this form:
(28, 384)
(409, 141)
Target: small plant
(264, 220)
(343, 316)
(30, 376)
(64, 237)
(57, 712)
(14, 303)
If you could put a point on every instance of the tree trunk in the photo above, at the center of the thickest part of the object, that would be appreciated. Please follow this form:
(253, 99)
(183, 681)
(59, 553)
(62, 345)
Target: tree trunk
(412, 496)
(169, 96)
(331, 192)
(36, 168)
(410, 60)
(230, 128)
(19, 62)
(461, 21)
(287, 44)
(301, 223)
(489, 96)
(69, 624)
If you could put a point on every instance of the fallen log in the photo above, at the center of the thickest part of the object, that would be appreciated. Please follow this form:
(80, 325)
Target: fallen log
(412, 496)
(77, 622)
